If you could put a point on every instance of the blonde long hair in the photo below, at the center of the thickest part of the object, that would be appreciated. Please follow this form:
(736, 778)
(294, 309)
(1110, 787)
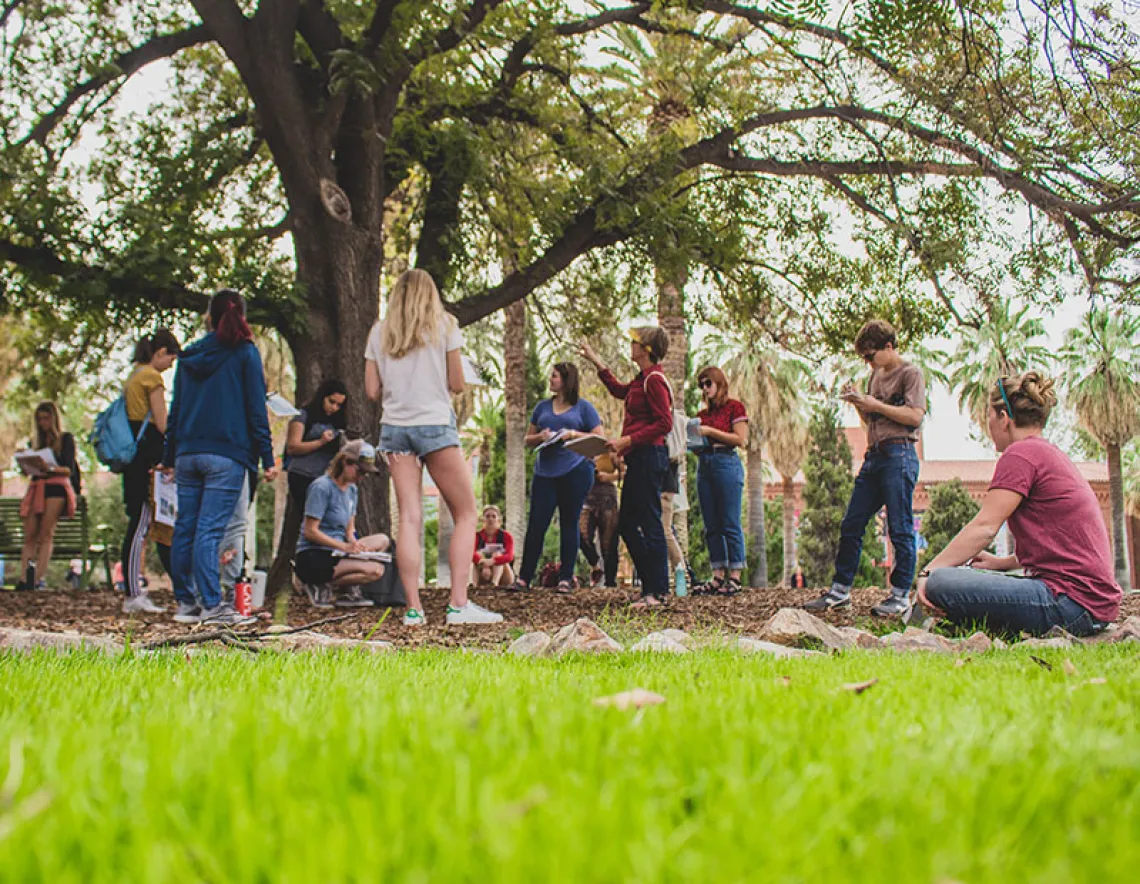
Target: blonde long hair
(415, 314)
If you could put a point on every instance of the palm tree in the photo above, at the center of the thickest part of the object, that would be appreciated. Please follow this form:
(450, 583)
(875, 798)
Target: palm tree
(766, 383)
(788, 441)
(1102, 358)
(995, 342)
(514, 390)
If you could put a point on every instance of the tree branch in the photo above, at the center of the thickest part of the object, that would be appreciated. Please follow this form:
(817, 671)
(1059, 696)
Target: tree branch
(124, 66)
(320, 30)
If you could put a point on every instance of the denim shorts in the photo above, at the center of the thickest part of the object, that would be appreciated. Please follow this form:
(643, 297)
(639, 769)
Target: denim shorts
(420, 441)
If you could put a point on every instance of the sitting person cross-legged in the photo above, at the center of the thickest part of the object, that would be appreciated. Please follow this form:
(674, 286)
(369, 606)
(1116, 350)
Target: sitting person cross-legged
(494, 551)
(1061, 541)
(330, 527)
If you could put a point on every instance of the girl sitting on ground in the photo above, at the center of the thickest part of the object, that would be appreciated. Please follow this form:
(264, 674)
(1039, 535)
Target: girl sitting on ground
(1061, 541)
(494, 551)
(330, 527)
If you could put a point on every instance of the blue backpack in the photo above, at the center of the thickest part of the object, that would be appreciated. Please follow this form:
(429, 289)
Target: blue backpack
(114, 443)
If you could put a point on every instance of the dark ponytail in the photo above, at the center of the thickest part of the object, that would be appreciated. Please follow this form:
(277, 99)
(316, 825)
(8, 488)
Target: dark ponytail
(147, 347)
(227, 316)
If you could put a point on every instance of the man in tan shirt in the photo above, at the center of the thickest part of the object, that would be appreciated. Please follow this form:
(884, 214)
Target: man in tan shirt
(893, 410)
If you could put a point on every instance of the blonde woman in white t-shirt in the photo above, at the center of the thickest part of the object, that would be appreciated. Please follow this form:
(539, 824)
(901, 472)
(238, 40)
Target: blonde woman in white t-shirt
(412, 365)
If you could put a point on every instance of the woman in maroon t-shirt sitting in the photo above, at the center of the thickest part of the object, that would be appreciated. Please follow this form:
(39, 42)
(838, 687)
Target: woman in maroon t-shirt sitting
(1061, 541)
(720, 482)
(494, 551)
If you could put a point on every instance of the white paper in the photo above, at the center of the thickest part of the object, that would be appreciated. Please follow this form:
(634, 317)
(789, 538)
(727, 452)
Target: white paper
(280, 406)
(365, 555)
(165, 500)
(492, 549)
(36, 463)
(587, 446)
(555, 439)
(472, 373)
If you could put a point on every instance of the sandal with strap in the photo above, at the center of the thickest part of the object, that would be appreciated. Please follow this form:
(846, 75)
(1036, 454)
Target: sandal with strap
(519, 585)
(648, 601)
(729, 587)
(565, 587)
(711, 586)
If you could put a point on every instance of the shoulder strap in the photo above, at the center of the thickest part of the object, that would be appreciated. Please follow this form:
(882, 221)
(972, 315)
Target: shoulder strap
(668, 385)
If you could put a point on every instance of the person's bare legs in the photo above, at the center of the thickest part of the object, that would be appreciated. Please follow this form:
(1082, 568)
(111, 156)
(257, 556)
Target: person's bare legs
(354, 573)
(53, 509)
(408, 478)
(31, 538)
(375, 542)
(497, 575)
(452, 477)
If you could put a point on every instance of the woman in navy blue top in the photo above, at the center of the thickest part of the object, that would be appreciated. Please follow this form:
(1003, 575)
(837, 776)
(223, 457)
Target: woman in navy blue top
(562, 479)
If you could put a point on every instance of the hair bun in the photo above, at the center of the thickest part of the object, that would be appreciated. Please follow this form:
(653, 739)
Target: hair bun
(1039, 389)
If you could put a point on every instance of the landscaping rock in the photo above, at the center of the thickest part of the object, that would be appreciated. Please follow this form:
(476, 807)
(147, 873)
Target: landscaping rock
(795, 628)
(859, 638)
(533, 644)
(660, 643)
(914, 639)
(1054, 642)
(315, 642)
(28, 640)
(1128, 631)
(680, 636)
(582, 636)
(978, 643)
(756, 646)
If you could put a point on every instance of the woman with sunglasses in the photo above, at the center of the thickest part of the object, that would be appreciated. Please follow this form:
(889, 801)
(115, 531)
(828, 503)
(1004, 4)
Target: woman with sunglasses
(1061, 540)
(720, 481)
(330, 528)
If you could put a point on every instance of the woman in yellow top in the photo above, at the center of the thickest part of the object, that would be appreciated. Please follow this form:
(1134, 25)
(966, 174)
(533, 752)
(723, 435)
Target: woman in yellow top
(145, 392)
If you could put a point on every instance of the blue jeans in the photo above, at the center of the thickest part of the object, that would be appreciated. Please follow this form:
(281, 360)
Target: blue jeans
(566, 492)
(234, 539)
(887, 478)
(639, 517)
(1006, 604)
(208, 490)
(720, 486)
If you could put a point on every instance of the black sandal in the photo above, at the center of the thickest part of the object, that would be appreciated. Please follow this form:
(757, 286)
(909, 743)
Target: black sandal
(712, 586)
(565, 587)
(519, 585)
(728, 587)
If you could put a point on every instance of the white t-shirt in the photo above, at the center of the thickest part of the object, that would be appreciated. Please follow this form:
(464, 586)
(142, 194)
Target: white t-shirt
(415, 391)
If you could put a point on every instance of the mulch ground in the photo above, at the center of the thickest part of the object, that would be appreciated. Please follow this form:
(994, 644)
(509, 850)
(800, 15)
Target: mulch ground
(98, 613)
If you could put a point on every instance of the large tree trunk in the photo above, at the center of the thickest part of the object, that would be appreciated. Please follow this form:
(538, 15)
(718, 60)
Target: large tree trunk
(789, 529)
(757, 539)
(514, 352)
(1119, 535)
(671, 317)
(338, 268)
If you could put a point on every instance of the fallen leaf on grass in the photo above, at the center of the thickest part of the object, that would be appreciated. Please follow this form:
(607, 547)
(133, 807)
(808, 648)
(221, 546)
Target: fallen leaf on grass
(857, 687)
(1097, 681)
(634, 699)
(961, 661)
(784, 680)
(1069, 668)
(1044, 664)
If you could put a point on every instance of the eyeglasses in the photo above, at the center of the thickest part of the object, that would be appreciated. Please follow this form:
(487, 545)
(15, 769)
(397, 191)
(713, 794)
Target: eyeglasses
(348, 462)
(868, 357)
(706, 383)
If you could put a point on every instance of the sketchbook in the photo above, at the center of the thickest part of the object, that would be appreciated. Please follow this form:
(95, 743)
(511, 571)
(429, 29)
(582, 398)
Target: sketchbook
(555, 439)
(587, 446)
(36, 463)
(364, 555)
(472, 373)
(165, 500)
(280, 406)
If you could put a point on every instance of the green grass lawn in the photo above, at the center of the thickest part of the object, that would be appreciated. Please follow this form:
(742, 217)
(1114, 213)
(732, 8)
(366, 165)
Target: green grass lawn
(442, 766)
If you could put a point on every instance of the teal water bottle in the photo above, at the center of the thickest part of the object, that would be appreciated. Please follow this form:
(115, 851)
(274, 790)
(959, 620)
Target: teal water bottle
(680, 587)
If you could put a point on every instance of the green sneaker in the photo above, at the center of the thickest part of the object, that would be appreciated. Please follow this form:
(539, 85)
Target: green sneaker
(412, 617)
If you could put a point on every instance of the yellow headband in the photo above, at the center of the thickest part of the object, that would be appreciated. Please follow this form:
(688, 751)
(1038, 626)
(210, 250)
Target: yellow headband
(633, 336)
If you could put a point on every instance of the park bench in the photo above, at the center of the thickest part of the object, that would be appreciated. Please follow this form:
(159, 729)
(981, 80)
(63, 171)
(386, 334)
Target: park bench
(72, 541)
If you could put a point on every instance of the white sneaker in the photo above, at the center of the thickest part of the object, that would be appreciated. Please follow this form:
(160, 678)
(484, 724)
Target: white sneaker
(141, 604)
(412, 617)
(471, 613)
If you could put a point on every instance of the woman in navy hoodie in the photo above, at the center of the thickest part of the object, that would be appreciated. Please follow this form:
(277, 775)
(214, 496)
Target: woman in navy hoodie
(218, 430)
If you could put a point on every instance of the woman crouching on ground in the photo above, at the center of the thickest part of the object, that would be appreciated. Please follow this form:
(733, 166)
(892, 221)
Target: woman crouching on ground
(1056, 522)
(494, 551)
(330, 527)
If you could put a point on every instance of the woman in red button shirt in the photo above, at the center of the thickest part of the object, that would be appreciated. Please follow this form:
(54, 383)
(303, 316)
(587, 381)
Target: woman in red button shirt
(648, 419)
(720, 481)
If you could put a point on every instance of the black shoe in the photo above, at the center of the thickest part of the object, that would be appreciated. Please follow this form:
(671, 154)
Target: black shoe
(827, 601)
(892, 606)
